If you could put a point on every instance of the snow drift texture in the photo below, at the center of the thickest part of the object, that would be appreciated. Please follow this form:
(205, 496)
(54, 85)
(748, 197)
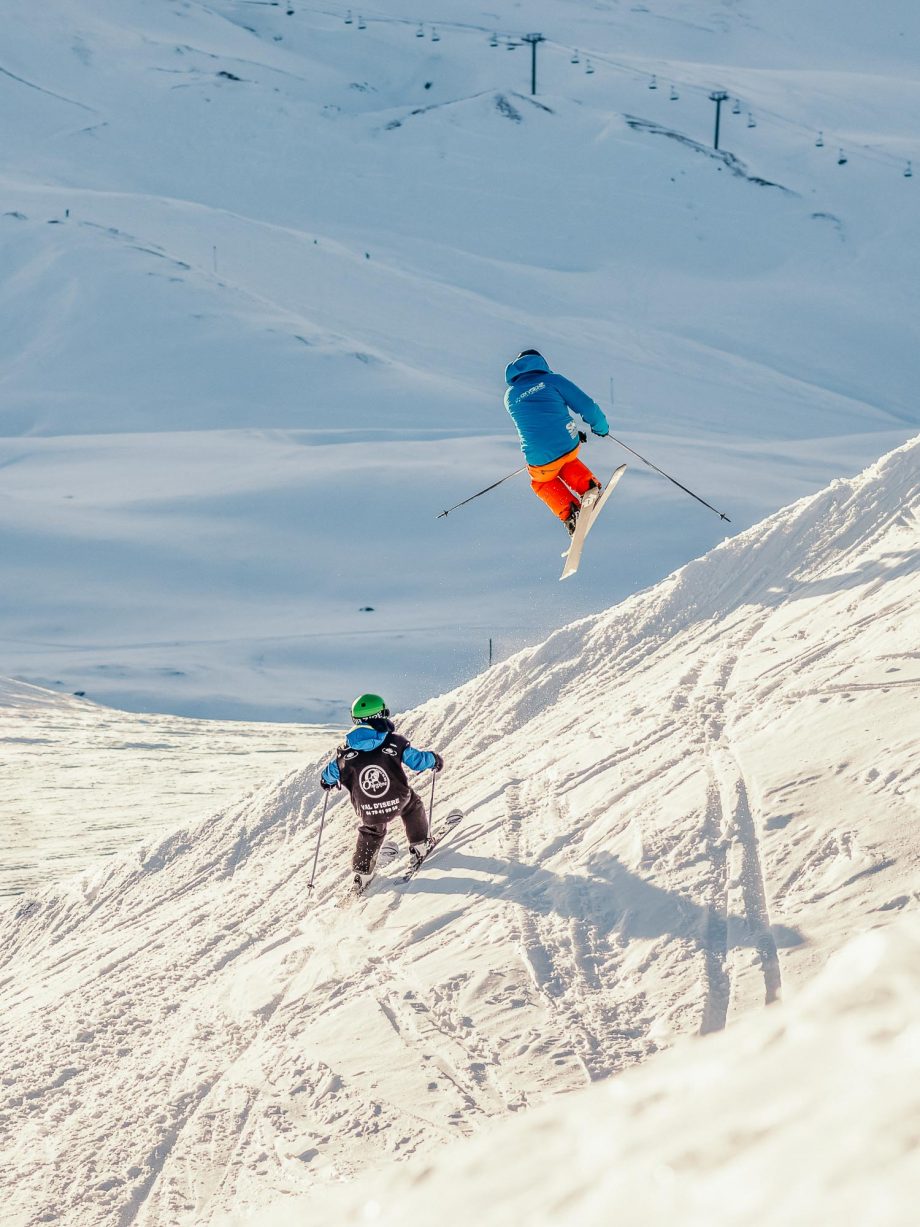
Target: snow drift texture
(804, 1116)
(675, 811)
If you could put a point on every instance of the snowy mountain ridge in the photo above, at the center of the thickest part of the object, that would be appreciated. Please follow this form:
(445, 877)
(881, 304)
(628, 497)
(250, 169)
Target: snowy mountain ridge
(259, 268)
(675, 811)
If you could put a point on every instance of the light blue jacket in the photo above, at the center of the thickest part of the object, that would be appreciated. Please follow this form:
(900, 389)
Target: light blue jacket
(364, 738)
(541, 404)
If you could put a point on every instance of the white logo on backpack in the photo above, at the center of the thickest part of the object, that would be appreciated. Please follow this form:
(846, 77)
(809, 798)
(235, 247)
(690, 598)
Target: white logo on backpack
(374, 782)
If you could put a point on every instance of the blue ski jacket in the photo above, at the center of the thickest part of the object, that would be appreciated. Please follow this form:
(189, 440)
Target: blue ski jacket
(364, 738)
(541, 404)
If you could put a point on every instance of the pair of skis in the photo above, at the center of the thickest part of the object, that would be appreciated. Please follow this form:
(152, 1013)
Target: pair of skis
(389, 851)
(591, 506)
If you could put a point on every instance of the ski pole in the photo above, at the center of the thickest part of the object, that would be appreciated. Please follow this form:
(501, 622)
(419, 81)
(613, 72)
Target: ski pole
(434, 776)
(720, 514)
(318, 840)
(481, 492)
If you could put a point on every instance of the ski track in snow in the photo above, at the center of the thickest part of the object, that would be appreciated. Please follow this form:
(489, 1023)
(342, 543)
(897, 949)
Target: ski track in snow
(733, 837)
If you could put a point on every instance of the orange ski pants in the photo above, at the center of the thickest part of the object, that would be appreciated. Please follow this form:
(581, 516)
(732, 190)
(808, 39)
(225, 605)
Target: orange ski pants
(561, 483)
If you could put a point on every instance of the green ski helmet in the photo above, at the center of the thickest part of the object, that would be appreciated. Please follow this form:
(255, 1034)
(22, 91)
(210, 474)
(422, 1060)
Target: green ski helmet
(366, 706)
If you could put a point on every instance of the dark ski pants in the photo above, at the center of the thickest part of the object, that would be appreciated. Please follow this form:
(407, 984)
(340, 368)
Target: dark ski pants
(372, 834)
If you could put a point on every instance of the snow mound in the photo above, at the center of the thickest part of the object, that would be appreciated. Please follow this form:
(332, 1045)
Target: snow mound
(806, 1114)
(825, 545)
(674, 812)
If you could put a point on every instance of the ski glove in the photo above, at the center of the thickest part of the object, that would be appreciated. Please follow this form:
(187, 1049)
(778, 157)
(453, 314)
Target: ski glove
(601, 434)
(327, 787)
(438, 762)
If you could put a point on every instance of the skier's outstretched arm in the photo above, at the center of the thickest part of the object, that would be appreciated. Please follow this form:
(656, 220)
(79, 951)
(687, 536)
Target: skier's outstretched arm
(422, 760)
(581, 403)
(330, 776)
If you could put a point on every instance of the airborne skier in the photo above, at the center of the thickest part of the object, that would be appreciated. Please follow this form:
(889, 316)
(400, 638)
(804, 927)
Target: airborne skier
(370, 765)
(541, 404)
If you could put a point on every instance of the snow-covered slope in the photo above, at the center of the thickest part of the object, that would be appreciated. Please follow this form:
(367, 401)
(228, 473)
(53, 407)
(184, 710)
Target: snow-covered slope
(675, 812)
(78, 782)
(801, 1116)
(260, 274)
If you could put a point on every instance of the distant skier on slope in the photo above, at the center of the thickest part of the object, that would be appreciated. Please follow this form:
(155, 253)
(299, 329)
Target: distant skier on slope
(370, 766)
(541, 404)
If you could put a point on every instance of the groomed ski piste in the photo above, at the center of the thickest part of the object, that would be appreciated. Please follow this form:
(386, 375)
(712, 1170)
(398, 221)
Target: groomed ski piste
(687, 871)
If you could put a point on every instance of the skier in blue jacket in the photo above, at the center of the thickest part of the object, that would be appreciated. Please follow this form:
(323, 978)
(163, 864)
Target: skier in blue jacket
(541, 404)
(370, 766)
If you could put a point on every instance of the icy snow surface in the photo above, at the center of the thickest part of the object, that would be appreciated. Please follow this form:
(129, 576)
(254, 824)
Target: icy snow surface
(676, 811)
(261, 271)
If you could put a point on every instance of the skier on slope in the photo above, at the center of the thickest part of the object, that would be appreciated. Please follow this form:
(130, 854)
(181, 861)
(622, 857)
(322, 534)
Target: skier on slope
(541, 404)
(370, 766)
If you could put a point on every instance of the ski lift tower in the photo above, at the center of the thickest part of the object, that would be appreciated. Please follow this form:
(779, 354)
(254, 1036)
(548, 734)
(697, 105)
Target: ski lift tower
(718, 96)
(534, 40)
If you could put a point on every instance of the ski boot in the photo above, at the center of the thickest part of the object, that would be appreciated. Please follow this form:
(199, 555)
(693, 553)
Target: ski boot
(360, 882)
(418, 852)
(572, 519)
